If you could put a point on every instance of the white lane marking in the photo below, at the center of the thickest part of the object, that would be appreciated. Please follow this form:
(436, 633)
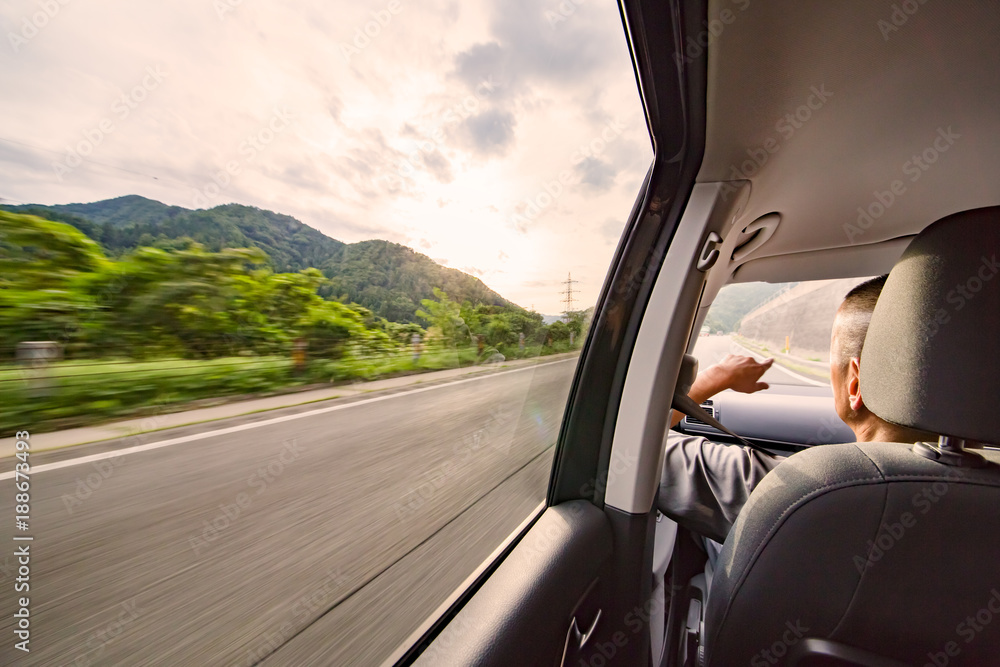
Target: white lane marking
(783, 369)
(267, 422)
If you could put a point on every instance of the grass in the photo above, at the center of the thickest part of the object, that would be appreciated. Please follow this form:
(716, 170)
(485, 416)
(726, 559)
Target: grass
(77, 393)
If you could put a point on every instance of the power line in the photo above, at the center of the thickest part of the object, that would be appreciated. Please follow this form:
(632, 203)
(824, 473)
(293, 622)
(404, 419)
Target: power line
(568, 292)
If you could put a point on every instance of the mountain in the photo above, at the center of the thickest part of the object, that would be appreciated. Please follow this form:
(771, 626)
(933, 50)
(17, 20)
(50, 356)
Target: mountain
(291, 245)
(736, 300)
(122, 211)
(388, 278)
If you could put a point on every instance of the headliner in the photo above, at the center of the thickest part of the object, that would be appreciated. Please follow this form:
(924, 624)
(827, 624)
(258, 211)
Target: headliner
(891, 96)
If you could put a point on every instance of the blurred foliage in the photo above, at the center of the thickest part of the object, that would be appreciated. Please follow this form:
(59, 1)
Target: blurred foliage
(387, 278)
(184, 301)
(176, 321)
(736, 300)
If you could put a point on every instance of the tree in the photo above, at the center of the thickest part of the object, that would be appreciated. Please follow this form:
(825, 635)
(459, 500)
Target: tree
(175, 296)
(444, 315)
(45, 267)
(578, 321)
(329, 326)
(41, 254)
(558, 332)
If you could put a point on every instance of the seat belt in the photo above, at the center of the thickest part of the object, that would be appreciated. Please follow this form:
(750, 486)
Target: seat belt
(687, 406)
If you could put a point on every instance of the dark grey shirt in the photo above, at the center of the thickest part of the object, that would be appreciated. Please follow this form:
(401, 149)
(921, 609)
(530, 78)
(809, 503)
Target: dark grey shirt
(704, 485)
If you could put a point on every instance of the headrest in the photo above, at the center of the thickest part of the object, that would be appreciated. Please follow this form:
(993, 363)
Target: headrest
(931, 359)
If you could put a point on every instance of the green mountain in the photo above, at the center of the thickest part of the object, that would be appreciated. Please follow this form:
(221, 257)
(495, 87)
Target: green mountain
(128, 222)
(736, 300)
(122, 211)
(388, 278)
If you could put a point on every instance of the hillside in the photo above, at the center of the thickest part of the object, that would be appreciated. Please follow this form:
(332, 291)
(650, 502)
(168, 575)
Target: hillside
(291, 245)
(388, 278)
(391, 279)
(804, 315)
(122, 211)
(736, 300)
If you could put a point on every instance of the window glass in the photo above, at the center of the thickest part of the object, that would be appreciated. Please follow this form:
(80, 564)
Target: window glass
(791, 322)
(291, 298)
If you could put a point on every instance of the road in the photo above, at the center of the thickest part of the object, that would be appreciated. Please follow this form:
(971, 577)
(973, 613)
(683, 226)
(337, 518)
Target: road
(316, 535)
(711, 350)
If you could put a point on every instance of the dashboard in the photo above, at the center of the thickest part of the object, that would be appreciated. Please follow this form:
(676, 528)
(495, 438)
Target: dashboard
(787, 417)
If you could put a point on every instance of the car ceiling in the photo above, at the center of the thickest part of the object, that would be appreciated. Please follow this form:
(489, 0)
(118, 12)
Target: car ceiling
(891, 90)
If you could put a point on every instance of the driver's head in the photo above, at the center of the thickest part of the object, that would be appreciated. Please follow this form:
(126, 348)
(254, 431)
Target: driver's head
(849, 329)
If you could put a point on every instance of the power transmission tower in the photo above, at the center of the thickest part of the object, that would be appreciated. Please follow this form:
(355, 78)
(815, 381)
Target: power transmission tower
(568, 292)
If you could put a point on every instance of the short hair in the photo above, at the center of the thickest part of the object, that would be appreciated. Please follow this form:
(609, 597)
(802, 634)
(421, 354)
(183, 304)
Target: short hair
(855, 314)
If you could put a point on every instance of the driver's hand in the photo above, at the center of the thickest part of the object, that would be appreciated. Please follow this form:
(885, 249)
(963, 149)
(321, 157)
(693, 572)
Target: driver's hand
(739, 373)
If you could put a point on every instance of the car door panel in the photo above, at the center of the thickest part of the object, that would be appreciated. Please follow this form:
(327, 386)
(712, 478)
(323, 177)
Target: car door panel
(533, 594)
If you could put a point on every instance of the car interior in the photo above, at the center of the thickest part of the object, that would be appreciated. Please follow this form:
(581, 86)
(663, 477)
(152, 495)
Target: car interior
(793, 141)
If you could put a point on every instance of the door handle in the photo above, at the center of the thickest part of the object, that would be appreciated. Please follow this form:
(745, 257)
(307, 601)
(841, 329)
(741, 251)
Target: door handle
(578, 639)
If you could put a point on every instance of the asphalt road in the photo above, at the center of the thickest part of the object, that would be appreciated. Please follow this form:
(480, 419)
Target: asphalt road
(318, 535)
(711, 350)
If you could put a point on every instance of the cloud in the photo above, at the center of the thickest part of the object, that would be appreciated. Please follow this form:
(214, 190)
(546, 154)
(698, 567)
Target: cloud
(439, 166)
(528, 59)
(403, 142)
(596, 173)
(611, 229)
(561, 54)
(490, 132)
(483, 62)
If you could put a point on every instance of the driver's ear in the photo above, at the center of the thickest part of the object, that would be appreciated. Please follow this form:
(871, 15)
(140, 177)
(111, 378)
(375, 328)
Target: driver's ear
(854, 384)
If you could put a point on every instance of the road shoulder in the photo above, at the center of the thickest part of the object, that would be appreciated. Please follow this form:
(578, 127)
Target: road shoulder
(130, 432)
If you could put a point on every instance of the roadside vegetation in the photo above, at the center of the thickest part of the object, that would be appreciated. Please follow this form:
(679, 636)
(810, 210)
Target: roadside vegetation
(172, 323)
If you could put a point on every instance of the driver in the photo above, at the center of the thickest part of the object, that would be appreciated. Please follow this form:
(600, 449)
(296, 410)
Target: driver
(704, 485)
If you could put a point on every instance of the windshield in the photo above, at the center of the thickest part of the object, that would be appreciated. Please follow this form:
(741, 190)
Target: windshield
(789, 322)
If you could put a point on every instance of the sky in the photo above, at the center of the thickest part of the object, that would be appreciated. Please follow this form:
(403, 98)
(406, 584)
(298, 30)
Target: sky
(504, 138)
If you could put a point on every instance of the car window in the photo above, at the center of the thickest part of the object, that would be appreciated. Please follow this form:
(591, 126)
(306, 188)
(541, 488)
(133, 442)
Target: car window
(291, 300)
(789, 322)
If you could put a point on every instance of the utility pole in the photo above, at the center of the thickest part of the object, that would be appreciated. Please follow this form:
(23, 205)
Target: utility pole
(568, 292)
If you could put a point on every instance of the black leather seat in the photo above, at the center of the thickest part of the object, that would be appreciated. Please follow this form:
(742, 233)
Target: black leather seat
(884, 553)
